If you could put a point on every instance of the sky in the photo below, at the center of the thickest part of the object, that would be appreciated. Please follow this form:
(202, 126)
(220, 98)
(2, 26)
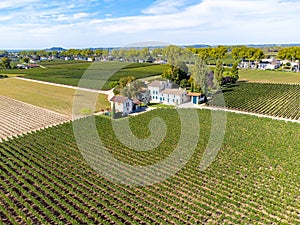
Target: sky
(39, 24)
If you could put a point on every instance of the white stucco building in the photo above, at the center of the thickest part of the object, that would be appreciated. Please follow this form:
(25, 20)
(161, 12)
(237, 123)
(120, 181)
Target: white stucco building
(122, 104)
(168, 93)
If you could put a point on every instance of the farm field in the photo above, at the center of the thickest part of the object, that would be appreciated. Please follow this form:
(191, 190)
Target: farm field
(280, 100)
(57, 99)
(17, 117)
(70, 72)
(265, 76)
(253, 180)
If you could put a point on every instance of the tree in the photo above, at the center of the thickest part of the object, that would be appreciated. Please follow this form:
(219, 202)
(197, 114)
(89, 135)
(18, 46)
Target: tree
(124, 81)
(184, 83)
(219, 70)
(6, 62)
(145, 97)
(235, 71)
(200, 74)
(133, 89)
(26, 60)
(219, 53)
(174, 74)
(172, 53)
(113, 111)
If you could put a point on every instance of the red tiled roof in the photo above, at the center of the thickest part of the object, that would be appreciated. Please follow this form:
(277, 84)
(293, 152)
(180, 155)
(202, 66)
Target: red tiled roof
(194, 94)
(136, 101)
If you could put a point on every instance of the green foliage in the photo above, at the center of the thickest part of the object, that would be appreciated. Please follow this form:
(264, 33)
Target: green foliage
(174, 74)
(281, 100)
(219, 70)
(113, 84)
(290, 53)
(113, 111)
(125, 80)
(235, 69)
(25, 60)
(200, 73)
(6, 63)
(184, 83)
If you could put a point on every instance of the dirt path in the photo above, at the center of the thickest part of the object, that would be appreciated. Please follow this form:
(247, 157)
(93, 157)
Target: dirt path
(109, 93)
(190, 105)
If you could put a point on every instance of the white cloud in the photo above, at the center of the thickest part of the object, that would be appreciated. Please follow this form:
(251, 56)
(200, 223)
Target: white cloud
(4, 4)
(165, 7)
(210, 21)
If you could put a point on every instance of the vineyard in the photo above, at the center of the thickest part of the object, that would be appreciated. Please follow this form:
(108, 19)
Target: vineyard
(279, 100)
(70, 73)
(254, 179)
(18, 117)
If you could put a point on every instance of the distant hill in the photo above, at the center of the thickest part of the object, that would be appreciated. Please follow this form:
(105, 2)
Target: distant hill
(59, 49)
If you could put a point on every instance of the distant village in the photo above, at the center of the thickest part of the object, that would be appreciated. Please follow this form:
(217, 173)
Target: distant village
(253, 59)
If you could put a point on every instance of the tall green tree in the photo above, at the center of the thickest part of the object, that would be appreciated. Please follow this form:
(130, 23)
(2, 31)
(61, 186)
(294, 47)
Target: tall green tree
(174, 74)
(235, 71)
(6, 62)
(219, 70)
(200, 73)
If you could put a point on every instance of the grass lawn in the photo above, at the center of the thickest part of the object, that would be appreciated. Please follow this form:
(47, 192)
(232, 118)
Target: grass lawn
(160, 105)
(58, 99)
(265, 76)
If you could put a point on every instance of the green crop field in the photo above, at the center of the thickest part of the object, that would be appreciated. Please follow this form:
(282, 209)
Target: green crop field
(265, 76)
(254, 179)
(70, 72)
(280, 100)
(58, 99)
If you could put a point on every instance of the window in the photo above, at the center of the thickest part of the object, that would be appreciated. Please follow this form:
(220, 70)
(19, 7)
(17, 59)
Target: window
(156, 97)
(154, 92)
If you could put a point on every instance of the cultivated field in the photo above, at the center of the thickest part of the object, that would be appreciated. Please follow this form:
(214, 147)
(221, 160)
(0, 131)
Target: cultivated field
(58, 99)
(253, 180)
(279, 100)
(17, 117)
(265, 76)
(70, 72)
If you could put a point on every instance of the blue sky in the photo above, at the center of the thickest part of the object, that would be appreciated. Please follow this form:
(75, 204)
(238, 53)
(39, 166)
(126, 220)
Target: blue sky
(37, 24)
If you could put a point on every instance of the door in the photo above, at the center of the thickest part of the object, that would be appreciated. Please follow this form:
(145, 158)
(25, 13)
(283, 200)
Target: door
(195, 98)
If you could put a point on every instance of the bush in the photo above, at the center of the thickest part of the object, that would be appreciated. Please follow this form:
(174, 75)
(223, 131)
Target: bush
(3, 76)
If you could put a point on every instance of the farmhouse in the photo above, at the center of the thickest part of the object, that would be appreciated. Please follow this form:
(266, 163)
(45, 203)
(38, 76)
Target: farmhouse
(269, 64)
(167, 92)
(122, 104)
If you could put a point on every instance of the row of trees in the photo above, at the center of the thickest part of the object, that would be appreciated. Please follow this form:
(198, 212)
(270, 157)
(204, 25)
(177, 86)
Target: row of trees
(291, 53)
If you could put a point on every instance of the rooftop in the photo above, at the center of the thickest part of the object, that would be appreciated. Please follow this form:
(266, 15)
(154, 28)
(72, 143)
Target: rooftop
(173, 91)
(118, 99)
(194, 94)
(156, 83)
